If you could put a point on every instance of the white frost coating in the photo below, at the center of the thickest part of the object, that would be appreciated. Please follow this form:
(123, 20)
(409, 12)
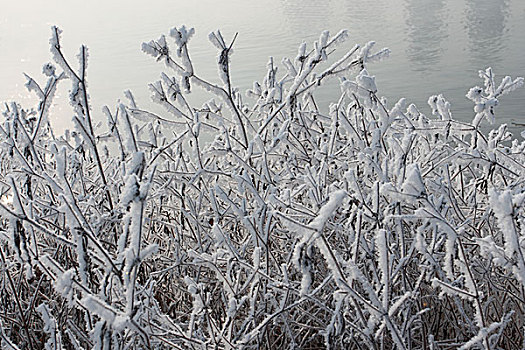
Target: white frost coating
(149, 48)
(379, 56)
(292, 72)
(208, 87)
(366, 81)
(338, 39)
(301, 256)
(306, 280)
(450, 253)
(97, 335)
(337, 64)
(17, 202)
(173, 86)
(130, 192)
(135, 231)
(48, 69)
(503, 206)
(235, 244)
(440, 107)
(488, 78)
(475, 94)
(256, 258)
(349, 86)
(64, 284)
(323, 38)
(490, 249)
(256, 90)
(398, 108)
(225, 279)
(128, 136)
(50, 328)
(32, 85)
(49, 321)
(399, 302)
(198, 303)
(281, 134)
(382, 262)
(485, 100)
(148, 251)
(159, 96)
(196, 124)
(162, 43)
(55, 51)
(451, 289)
(60, 159)
(136, 163)
(302, 261)
(182, 35)
(218, 237)
(365, 51)
(217, 40)
(129, 95)
(120, 322)
(232, 307)
(100, 308)
(335, 200)
(413, 184)
(478, 339)
(156, 48)
(508, 85)
(335, 325)
(318, 54)
(301, 54)
(185, 82)
(420, 243)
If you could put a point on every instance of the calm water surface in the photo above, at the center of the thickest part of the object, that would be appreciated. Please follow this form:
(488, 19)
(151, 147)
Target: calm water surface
(437, 46)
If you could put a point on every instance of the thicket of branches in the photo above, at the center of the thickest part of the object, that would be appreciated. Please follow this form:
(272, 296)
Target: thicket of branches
(261, 224)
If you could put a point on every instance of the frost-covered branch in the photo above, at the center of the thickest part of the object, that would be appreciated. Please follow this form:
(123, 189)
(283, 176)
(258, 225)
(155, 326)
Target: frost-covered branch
(267, 222)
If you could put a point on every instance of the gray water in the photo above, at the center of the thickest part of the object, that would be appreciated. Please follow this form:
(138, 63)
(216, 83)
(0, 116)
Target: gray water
(437, 46)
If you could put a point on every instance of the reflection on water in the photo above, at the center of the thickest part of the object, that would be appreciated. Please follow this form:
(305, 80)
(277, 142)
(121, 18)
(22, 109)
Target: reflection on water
(426, 30)
(444, 41)
(368, 18)
(304, 14)
(485, 22)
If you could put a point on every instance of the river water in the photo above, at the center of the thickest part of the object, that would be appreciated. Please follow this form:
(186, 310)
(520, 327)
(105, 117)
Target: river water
(437, 46)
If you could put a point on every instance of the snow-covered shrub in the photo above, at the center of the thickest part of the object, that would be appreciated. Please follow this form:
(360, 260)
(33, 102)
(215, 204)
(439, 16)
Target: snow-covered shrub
(261, 224)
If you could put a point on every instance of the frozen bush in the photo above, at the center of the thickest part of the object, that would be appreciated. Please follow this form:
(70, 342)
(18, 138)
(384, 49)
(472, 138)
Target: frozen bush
(260, 224)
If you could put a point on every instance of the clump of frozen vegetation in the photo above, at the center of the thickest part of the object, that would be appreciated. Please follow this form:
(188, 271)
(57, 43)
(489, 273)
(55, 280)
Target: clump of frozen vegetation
(259, 221)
